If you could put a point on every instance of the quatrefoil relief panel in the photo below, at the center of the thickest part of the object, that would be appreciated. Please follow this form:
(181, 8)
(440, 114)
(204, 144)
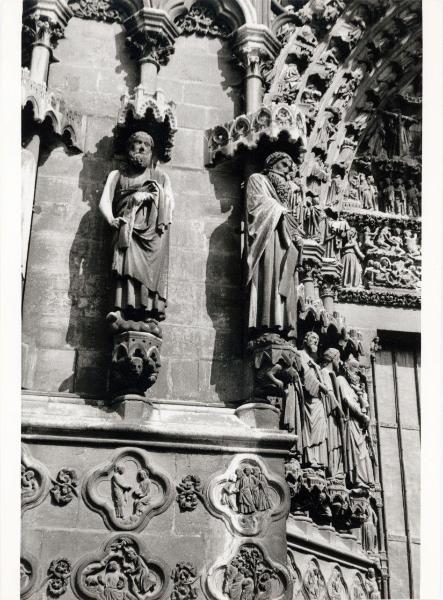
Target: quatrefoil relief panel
(35, 480)
(247, 571)
(128, 490)
(121, 569)
(29, 574)
(247, 497)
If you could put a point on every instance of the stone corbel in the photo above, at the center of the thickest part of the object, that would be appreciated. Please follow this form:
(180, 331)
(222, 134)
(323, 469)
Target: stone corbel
(254, 45)
(151, 36)
(44, 22)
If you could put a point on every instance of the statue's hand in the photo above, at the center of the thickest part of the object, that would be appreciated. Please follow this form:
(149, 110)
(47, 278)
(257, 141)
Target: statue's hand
(115, 223)
(140, 197)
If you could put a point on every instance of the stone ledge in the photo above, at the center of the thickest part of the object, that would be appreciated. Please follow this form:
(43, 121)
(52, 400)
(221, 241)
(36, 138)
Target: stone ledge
(200, 428)
(323, 541)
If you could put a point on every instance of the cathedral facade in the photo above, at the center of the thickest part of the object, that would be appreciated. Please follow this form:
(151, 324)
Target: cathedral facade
(221, 267)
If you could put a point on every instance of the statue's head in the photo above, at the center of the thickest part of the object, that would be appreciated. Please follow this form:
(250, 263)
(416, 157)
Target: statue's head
(332, 356)
(310, 342)
(140, 148)
(279, 162)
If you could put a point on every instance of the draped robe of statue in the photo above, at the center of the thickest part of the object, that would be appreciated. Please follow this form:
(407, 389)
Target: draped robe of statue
(141, 246)
(335, 429)
(272, 260)
(359, 464)
(314, 429)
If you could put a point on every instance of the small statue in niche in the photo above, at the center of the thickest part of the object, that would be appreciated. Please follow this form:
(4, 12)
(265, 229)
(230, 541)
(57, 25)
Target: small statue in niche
(274, 248)
(319, 172)
(137, 202)
(314, 430)
(289, 84)
(400, 197)
(412, 199)
(374, 190)
(351, 260)
(334, 230)
(389, 196)
(327, 132)
(366, 193)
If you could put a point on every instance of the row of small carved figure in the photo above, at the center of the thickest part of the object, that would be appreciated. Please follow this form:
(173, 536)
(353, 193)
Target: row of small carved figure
(121, 573)
(328, 502)
(314, 586)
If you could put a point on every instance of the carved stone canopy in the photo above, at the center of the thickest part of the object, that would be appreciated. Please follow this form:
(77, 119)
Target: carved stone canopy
(150, 113)
(49, 106)
(245, 132)
(44, 23)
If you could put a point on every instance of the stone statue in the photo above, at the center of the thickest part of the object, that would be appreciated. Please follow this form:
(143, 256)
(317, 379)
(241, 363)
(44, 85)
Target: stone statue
(359, 464)
(372, 585)
(334, 413)
(314, 429)
(352, 255)
(274, 248)
(400, 197)
(389, 197)
(137, 202)
(413, 199)
(369, 529)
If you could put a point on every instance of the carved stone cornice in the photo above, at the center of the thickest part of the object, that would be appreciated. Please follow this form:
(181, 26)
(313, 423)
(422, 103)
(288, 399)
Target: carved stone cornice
(44, 22)
(201, 20)
(379, 298)
(255, 44)
(245, 131)
(98, 10)
(151, 35)
(69, 124)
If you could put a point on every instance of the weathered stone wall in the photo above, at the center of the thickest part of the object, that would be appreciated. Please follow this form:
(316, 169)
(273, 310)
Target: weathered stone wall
(68, 290)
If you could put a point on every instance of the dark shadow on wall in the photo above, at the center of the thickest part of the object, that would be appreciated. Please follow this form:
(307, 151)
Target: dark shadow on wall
(225, 295)
(125, 64)
(231, 77)
(90, 285)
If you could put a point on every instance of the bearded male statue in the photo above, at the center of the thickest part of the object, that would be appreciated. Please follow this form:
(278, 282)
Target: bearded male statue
(274, 242)
(137, 202)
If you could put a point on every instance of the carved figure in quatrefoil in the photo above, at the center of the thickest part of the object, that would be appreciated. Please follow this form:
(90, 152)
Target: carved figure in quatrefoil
(246, 572)
(121, 572)
(246, 496)
(128, 491)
